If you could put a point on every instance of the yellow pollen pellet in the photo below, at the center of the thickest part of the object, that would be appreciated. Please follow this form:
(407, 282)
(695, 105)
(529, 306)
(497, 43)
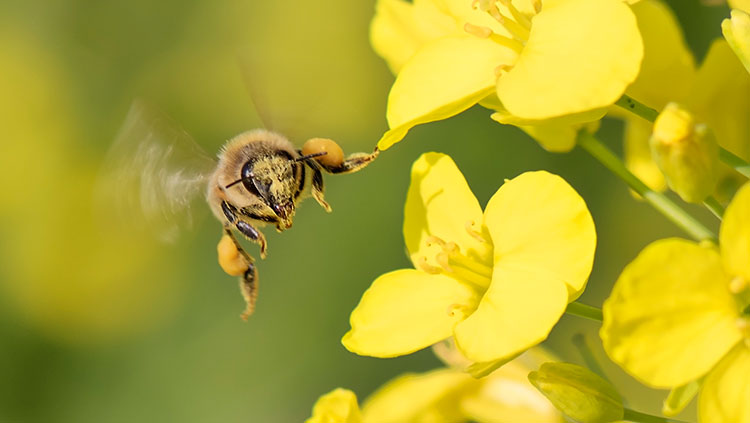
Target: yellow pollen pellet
(334, 154)
(230, 259)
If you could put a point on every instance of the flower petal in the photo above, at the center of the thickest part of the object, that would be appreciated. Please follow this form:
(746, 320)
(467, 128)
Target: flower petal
(400, 28)
(734, 235)
(537, 221)
(670, 317)
(581, 55)
(638, 153)
(439, 203)
(444, 78)
(668, 68)
(726, 393)
(413, 397)
(337, 406)
(517, 312)
(404, 311)
(721, 99)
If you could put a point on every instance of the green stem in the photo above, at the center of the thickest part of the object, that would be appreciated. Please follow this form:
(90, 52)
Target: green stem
(658, 200)
(713, 205)
(637, 416)
(640, 109)
(579, 340)
(586, 311)
(734, 162)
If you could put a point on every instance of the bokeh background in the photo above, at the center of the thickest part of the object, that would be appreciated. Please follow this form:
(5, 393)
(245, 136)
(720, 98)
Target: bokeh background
(102, 324)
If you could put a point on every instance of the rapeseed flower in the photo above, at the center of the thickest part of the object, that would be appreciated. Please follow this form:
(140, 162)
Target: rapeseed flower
(717, 94)
(497, 281)
(679, 312)
(542, 65)
(447, 395)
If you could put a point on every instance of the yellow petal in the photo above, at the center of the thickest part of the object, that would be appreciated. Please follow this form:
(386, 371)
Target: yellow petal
(404, 311)
(668, 68)
(721, 98)
(537, 221)
(581, 55)
(670, 317)
(557, 137)
(517, 312)
(725, 397)
(740, 4)
(638, 153)
(736, 31)
(734, 235)
(414, 397)
(439, 203)
(444, 78)
(400, 28)
(337, 406)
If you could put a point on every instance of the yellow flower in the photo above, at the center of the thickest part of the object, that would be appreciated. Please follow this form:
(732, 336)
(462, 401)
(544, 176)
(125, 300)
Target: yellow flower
(536, 62)
(736, 31)
(679, 312)
(497, 281)
(717, 94)
(447, 395)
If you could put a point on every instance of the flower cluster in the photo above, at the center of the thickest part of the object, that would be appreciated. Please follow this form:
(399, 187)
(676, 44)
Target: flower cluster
(493, 282)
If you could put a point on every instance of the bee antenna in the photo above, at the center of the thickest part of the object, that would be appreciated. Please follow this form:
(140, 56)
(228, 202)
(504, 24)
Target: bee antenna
(233, 183)
(310, 156)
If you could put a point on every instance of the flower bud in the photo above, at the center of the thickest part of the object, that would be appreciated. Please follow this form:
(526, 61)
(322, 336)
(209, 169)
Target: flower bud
(737, 33)
(578, 393)
(337, 406)
(686, 152)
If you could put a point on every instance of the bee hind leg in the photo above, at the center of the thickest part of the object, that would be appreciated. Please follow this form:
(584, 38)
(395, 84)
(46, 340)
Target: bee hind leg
(317, 188)
(353, 163)
(236, 262)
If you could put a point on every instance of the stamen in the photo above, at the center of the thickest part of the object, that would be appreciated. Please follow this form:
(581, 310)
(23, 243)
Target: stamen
(459, 311)
(474, 266)
(537, 5)
(423, 265)
(478, 31)
(432, 239)
(443, 261)
(737, 285)
(517, 15)
(470, 229)
(502, 70)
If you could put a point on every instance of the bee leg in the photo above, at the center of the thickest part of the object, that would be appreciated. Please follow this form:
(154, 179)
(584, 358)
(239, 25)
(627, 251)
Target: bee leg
(353, 163)
(236, 262)
(249, 231)
(317, 186)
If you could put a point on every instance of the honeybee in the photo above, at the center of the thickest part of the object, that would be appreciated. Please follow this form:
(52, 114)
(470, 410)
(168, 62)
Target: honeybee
(154, 171)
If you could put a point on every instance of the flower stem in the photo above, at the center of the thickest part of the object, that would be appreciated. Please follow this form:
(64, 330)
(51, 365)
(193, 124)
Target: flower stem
(640, 109)
(658, 200)
(637, 108)
(586, 311)
(637, 416)
(734, 162)
(579, 340)
(713, 205)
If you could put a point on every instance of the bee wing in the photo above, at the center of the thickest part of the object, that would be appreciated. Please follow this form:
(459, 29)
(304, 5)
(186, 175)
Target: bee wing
(152, 175)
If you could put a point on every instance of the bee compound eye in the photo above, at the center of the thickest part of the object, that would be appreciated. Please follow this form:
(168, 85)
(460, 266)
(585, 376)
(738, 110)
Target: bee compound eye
(334, 154)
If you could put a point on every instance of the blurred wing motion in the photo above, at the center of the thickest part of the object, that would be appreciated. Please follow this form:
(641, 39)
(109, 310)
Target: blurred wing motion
(152, 175)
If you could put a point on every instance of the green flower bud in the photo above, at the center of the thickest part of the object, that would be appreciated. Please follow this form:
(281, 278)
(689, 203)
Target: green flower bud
(578, 393)
(686, 152)
(737, 33)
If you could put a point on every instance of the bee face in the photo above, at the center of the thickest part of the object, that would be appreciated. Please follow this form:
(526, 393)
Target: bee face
(277, 180)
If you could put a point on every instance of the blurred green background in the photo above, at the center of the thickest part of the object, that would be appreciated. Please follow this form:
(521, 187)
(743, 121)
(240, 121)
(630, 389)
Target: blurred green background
(104, 325)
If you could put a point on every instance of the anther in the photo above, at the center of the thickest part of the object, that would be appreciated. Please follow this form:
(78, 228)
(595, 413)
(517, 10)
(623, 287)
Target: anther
(502, 69)
(444, 261)
(423, 265)
(470, 229)
(537, 5)
(434, 240)
(738, 284)
(479, 31)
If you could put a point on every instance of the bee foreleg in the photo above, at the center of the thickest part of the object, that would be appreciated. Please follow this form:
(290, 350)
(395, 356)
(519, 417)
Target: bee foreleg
(249, 231)
(236, 262)
(317, 188)
(353, 163)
